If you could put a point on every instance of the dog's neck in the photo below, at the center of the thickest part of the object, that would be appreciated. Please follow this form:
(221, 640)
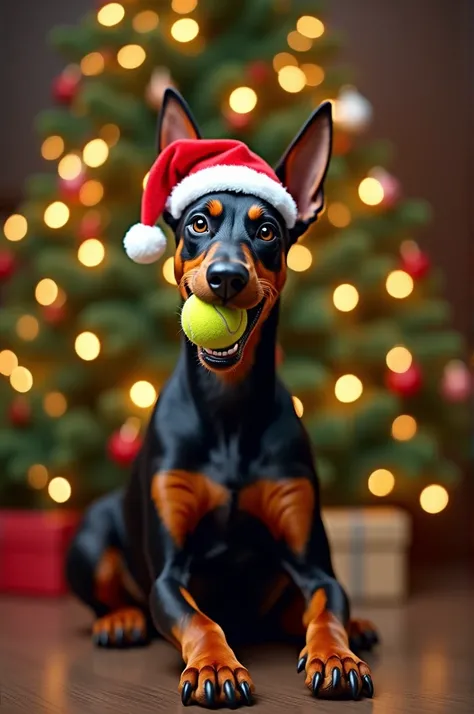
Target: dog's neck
(232, 402)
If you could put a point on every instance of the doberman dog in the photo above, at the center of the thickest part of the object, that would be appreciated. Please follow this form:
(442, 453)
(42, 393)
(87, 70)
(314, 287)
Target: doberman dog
(220, 521)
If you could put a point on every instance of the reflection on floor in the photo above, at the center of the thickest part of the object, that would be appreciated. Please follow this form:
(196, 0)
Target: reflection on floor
(424, 666)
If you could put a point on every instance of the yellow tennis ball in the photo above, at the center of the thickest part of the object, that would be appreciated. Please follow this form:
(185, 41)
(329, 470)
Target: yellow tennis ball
(212, 326)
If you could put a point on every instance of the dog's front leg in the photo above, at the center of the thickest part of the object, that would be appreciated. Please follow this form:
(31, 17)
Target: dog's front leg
(288, 509)
(212, 673)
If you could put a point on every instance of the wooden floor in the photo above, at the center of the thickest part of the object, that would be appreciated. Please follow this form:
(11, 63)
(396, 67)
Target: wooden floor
(48, 666)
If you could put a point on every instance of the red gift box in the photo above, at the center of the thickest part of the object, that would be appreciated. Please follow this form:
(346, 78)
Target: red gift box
(33, 547)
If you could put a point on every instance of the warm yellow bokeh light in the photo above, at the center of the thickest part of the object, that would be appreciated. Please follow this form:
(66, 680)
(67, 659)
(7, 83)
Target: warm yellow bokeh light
(56, 215)
(284, 59)
(299, 258)
(21, 379)
(59, 489)
(404, 427)
(91, 253)
(87, 346)
(92, 64)
(183, 6)
(46, 291)
(298, 42)
(145, 180)
(298, 406)
(399, 284)
(434, 498)
(310, 26)
(95, 153)
(27, 327)
(399, 359)
(131, 56)
(91, 193)
(52, 147)
(110, 133)
(15, 227)
(145, 21)
(8, 362)
(70, 167)
(371, 191)
(345, 297)
(339, 215)
(111, 14)
(348, 388)
(143, 394)
(291, 79)
(37, 476)
(185, 30)
(381, 482)
(168, 271)
(242, 100)
(54, 404)
(314, 74)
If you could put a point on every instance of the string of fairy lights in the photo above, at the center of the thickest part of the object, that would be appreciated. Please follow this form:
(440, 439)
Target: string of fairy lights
(293, 77)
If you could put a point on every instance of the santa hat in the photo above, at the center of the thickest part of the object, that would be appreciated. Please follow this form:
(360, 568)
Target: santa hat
(190, 168)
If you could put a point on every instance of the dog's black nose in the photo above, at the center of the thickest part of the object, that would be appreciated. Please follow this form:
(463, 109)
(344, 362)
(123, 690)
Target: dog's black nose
(227, 279)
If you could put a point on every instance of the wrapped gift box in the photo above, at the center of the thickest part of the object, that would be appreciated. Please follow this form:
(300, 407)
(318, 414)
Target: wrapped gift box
(369, 549)
(33, 546)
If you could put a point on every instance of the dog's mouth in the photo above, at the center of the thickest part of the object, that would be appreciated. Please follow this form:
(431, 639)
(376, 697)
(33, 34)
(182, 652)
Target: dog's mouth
(228, 357)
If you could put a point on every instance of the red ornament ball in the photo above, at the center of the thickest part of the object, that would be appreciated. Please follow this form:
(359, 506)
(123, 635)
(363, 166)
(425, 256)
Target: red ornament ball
(416, 263)
(90, 226)
(65, 87)
(408, 383)
(456, 384)
(122, 450)
(7, 264)
(237, 121)
(54, 314)
(259, 72)
(19, 412)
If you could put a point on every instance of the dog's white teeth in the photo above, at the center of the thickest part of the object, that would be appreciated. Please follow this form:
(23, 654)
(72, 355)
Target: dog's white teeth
(209, 352)
(233, 349)
(216, 353)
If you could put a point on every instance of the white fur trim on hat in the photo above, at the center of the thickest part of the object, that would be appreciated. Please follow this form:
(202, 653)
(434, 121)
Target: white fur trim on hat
(144, 244)
(241, 179)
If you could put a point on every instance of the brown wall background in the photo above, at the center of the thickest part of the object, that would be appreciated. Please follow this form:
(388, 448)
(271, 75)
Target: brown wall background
(413, 60)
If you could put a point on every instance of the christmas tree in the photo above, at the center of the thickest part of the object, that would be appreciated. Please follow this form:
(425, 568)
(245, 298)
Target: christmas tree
(88, 338)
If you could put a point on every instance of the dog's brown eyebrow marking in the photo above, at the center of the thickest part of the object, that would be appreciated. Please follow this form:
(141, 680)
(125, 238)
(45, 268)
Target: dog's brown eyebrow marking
(214, 206)
(255, 212)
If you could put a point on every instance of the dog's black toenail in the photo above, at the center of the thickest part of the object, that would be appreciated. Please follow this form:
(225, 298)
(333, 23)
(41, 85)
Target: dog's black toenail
(209, 692)
(246, 694)
(353, 683)
(336, 677)
(186, 692)
(229, 693)
(316, 683)
(368, 685)
(301, 664)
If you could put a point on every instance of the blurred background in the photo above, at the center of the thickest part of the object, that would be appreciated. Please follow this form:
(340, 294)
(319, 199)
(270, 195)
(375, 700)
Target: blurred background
(377, 330)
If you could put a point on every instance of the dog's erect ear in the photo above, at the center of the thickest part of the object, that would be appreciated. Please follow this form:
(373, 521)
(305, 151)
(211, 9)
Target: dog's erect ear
(303, 167)
(175, 120)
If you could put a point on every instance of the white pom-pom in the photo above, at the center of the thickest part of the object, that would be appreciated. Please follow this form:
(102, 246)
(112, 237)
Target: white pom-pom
(144, 244)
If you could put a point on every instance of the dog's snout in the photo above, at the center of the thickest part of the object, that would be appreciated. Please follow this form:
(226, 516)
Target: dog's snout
(227, 278)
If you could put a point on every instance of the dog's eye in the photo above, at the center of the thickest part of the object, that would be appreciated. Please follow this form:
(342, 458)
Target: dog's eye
(266, 232)
(200, 225)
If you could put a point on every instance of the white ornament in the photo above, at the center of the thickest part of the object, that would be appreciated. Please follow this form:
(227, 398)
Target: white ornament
(352, 111)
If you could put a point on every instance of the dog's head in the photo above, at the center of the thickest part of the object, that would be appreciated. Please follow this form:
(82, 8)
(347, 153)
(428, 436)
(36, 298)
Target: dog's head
(231, 247)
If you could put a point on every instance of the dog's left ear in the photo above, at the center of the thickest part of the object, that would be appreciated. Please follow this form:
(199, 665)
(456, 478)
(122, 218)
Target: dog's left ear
(304, 165)
(175, 121)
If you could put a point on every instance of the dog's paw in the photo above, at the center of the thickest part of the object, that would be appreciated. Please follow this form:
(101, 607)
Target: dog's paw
(336, 674)
(363, 635)
(211, 682)
(125, 627)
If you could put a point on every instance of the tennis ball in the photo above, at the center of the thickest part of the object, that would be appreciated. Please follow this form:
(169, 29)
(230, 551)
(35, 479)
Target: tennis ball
(212, 326)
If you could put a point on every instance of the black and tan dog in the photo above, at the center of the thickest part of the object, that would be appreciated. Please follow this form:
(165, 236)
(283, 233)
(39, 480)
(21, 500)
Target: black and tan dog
(219, 532)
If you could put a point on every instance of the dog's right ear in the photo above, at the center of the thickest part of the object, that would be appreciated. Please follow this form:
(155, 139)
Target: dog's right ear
(175, 120)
